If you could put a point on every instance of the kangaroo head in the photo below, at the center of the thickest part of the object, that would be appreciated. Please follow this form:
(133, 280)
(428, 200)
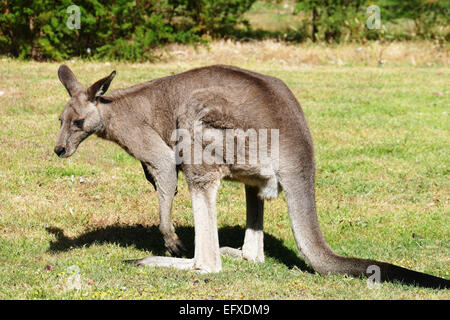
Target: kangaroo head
(80, 117)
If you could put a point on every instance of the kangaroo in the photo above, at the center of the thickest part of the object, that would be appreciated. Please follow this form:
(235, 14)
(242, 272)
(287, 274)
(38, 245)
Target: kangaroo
(142, 119)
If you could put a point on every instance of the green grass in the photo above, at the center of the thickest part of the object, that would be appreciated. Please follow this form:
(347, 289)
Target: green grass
(382, 154)
(273, 16)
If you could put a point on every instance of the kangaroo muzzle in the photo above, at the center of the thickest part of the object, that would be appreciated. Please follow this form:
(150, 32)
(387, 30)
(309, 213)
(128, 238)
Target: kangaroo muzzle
(60, 151)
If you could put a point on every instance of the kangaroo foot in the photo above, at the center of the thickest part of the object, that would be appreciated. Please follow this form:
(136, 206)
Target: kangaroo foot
(170, 262)
(178, 263)
(232, 252)
(250, 255)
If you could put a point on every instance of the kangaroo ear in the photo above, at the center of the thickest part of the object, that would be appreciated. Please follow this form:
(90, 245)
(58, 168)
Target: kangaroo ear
(68, 80)
(100, 87)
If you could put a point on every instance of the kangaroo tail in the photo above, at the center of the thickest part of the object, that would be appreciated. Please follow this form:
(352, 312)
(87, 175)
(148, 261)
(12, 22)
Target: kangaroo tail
(308, 236)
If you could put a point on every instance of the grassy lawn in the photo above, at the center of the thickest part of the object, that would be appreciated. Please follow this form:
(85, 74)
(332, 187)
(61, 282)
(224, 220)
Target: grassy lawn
(382, 153)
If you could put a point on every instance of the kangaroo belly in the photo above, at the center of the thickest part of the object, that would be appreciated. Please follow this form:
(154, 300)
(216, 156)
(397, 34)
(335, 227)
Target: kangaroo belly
(264, 178)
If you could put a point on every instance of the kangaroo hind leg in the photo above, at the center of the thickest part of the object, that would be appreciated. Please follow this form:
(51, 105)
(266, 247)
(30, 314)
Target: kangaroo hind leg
(253, 248)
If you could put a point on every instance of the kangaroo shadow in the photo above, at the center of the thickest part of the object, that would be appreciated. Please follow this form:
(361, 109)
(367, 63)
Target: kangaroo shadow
(150, 239)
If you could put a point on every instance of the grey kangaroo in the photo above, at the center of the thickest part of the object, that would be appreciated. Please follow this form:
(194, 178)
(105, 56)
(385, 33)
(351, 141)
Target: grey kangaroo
(142, 119)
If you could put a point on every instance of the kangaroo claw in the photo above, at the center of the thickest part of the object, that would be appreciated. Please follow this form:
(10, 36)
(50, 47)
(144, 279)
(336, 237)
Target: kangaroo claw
(175, 246)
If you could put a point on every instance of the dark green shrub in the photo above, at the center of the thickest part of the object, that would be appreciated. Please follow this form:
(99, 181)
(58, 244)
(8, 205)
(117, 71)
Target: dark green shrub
(213, 17)
(120, 29)
(345, 20)
(427, 15)
(31, 29)
(334, 20)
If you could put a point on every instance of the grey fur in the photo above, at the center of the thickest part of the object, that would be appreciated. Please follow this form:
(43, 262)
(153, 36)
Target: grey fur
(141, 120)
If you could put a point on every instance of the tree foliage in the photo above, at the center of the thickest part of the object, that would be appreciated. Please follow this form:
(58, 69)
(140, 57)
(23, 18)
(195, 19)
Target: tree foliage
(118, 29)
(343, 20)
(130, 30)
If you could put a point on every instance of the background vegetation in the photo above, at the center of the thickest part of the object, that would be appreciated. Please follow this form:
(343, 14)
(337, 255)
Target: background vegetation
(131, 30)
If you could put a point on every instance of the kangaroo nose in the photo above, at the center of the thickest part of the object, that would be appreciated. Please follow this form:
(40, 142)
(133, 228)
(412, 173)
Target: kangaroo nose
(60, 150)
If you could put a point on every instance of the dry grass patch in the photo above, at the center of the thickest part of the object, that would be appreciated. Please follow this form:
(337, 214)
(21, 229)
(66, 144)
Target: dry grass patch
(423, 53)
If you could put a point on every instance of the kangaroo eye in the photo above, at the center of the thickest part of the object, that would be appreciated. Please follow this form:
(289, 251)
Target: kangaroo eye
(78, 123)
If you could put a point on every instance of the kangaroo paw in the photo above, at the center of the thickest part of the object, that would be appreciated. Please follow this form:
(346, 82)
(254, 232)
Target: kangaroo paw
(235, 253)
(248, 255)
(175, 246)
